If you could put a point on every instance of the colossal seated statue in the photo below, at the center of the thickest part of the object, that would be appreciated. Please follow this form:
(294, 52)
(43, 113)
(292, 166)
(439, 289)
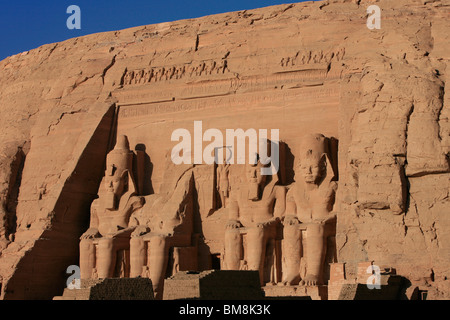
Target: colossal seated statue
(255, 207)
(142, 234)
(309, 218)
(164, 225)
(109, 230)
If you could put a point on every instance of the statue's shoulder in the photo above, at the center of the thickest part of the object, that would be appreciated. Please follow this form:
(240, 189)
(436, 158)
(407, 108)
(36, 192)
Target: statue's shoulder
(280, 190)
(329, 189)
(332, 186)
(95, 205)
(291, 190)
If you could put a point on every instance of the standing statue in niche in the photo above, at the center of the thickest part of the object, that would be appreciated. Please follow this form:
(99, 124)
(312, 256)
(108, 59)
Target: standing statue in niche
(309, 212)
(109, 230)
(255, 208)
(223, 180)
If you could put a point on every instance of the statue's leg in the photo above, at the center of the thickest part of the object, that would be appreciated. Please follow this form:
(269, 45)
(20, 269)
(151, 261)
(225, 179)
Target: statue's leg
(138, 255)
(106, 258)
(291, 253)
(159, 255)
(87, 258)
(233, 249)
(256, 250)
(315, 252)
(222, 199)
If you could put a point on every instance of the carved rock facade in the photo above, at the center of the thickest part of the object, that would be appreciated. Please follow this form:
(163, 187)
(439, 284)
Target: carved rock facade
(364, 152)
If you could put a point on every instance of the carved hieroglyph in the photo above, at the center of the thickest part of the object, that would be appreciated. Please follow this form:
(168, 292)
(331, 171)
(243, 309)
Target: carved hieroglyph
(175, 72)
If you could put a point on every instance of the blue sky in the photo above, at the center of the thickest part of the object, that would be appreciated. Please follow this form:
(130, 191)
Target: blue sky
(28, 24)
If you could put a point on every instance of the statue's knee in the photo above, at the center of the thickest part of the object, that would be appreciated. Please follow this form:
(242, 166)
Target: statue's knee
(315, 230)
(86, 244)
(257, 233)
(158, 242)
(136, 243)
(106, 244)
(232, 235)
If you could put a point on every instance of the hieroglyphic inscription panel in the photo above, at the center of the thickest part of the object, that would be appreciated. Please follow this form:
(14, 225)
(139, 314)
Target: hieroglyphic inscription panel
(235, 102)
(221, 87)
(158, 74)
(312, 57)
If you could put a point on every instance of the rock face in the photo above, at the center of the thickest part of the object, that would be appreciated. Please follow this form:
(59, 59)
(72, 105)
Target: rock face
(378, 97)
(111, 289)
(237, 285)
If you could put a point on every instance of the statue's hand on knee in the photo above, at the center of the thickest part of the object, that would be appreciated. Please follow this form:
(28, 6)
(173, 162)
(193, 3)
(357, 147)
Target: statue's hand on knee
(291, 221)
(233, 224)
(140, 231)
(91, 233)
(268, 223)
(322, 221)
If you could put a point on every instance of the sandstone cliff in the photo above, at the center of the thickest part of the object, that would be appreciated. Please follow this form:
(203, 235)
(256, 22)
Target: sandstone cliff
(305, 67)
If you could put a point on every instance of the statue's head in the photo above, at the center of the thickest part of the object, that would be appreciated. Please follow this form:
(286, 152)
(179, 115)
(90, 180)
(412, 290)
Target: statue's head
(313, 161)
(116, 181)
(255, 179)
(118, 168)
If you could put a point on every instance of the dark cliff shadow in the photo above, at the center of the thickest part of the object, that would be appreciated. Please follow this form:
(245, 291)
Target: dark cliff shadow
(143, 162)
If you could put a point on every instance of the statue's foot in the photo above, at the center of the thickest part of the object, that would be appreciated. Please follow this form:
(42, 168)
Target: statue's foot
(292, 280)
(311, 280)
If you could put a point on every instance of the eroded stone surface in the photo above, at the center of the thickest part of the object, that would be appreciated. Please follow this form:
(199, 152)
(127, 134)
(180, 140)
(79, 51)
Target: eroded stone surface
(304, 68)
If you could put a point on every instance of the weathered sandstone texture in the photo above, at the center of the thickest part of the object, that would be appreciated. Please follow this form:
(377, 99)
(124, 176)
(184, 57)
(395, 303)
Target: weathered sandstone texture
(111, 289)
(85, 141)
(234, 285)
